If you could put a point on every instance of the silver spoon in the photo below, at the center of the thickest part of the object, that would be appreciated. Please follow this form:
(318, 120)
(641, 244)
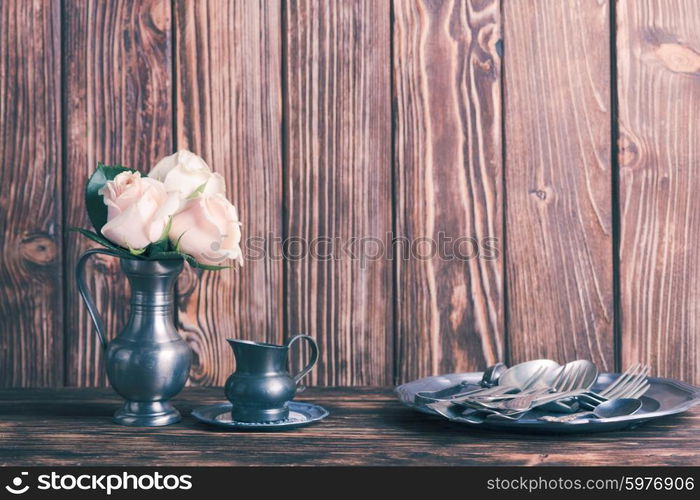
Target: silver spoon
(523, 376)
(579, 374)
(616, 408)
(518, 374)
(534, 380)
(609, 409)
(489, 379)
(575, 375)
(508, 380)
(492, 374)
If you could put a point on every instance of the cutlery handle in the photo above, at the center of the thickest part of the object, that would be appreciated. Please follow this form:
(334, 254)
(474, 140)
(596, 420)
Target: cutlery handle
(483, 392)
(527, 403)
(85, 293)
(567, 418)
(314, 355)
(543, 400)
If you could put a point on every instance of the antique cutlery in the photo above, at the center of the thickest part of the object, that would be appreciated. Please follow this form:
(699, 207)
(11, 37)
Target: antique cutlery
(608, 409)
(579, 374)
(632, 383)
(515, 379)
(488, 380)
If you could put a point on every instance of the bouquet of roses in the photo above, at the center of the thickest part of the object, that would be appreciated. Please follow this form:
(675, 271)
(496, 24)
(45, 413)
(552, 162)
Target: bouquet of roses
(178, 211)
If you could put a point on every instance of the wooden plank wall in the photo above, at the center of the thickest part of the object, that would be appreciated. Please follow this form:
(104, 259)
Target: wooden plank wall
(556, 139)
(117, 105)
(236, 126)
(338, 170)
(31, 226)
(658, 46)
(559, 180)
(448, 166)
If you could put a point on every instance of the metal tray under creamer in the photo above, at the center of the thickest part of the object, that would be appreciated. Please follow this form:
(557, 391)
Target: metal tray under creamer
(664, 397)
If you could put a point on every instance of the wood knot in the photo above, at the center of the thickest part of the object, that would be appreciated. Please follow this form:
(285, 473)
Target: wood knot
(159, 17)
(105, 264)
(486, 65)
(187, 281)
(678, 58)
(459, 305)
(38, 248)
(542, 194)
(627, 151)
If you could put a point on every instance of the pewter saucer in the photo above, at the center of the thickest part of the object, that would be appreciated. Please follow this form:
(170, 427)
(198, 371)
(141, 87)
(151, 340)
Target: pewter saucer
(300, 414)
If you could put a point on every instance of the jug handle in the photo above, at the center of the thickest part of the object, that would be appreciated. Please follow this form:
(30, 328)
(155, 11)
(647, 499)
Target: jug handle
(314, 355)
(85, 294)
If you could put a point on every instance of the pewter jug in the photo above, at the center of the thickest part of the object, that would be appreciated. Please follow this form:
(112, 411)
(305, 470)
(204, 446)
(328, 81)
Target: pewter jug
(261, 386)
(148, 362)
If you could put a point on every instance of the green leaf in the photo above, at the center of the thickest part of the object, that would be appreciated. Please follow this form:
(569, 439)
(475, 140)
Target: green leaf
(165, 256)
(157, 248)
(191, 260)
(163, 243)
(177, 243)
(194, 194)
(137, 251)
(101, 240)
(96, 208)
(207, 267)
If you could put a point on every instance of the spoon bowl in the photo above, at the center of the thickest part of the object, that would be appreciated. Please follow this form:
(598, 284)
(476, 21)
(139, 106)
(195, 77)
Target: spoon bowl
(609, 409)
(517, 375)
(617, 408)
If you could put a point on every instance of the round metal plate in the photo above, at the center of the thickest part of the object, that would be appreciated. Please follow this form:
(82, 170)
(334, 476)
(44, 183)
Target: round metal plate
(300, 414)
(665, 397)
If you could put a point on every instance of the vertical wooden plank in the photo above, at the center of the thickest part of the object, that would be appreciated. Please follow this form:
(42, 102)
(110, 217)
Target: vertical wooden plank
(229, 111)
(338, 185)
(117, 110)
(558, 180)
(448, 163)
(658, 47)
(31, 271)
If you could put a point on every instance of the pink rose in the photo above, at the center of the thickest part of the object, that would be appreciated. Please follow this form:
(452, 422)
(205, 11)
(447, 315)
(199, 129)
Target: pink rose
(138, 210)
(208, 229)
(185, 172)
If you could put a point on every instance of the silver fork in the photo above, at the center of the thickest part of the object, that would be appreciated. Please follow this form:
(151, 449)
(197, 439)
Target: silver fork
(567, 381)
(631, 384)
(445, 407)
(484, 396)
(476, 415)
(635, 394)
(625, 385)
(499, 391)
(620, 382)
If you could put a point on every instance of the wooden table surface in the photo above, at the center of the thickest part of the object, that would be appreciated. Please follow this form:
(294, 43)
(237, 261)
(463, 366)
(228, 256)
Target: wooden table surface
(367, 426)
